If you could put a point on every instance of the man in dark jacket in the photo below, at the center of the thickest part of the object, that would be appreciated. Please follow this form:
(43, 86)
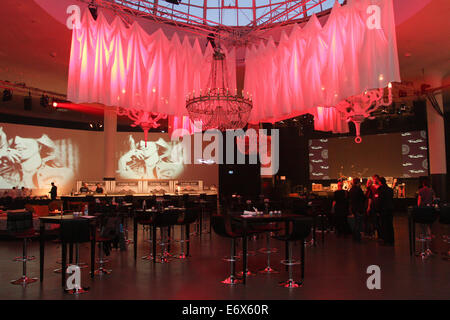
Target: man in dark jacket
(53, 191)
(386, 208)
(356, 201)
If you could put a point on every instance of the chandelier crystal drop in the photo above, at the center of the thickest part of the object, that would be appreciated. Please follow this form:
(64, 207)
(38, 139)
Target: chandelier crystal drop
(216, 107)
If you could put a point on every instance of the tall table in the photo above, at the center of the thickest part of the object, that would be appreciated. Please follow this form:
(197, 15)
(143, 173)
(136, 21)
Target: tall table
(58, 220)
(154, 226)
(246, 220)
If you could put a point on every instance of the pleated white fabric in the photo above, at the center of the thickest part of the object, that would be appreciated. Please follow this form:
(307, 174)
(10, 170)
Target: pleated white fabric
(320, 66)
(330, 119)
(125, 67)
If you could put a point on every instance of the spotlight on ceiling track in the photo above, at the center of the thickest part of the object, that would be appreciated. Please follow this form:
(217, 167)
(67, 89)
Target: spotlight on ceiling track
(7, 95)
(93, 9)
(174, 1)
(55, 104)
(44, 100)
(96, 126)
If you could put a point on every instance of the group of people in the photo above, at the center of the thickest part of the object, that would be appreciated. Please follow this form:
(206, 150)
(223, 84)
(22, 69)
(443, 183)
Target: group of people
(17, 193)
(84, 188)
(369, 212)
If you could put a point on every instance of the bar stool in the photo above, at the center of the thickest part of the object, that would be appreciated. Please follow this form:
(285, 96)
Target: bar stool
(268, 250)
(145, 217)
(125, 210)
(20, 225)
(190, 216)
(444, 219)
(163, 221)
(29, 208)
(222, 227)
(425, 216)
(109, 230)
(301, 229)
(75, 231)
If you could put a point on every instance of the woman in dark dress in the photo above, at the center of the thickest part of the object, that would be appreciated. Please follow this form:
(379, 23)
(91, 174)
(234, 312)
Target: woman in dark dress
(340, 209)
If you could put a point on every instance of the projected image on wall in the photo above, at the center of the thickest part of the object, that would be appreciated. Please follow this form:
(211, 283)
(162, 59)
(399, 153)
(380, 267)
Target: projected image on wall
(158, 159)
(402, 155)
(34, 163)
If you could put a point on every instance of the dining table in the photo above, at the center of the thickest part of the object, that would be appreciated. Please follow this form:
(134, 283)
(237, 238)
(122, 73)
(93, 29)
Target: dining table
(247, 220)
(57, 219)
(151, 212)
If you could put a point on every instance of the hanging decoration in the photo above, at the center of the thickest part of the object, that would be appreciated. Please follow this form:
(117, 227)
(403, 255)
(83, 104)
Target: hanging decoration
(144, 119)
(360, 107)
(145, 76)
(319, 65)
(216, 107)
(330, 119)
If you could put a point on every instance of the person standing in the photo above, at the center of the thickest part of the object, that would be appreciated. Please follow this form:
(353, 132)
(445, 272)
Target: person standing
(356, 201)
(425, 198)
(425, 195)
(340, 209)
(386, 196)
(53, 191)
(376, 206)
(370, 215)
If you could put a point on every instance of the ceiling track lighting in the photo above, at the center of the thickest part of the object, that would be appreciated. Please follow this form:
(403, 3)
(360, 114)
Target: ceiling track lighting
(44, 100)
(96, 126)
(7, 95)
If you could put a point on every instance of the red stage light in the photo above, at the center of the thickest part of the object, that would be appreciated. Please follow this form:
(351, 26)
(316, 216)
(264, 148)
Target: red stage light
(55, 104)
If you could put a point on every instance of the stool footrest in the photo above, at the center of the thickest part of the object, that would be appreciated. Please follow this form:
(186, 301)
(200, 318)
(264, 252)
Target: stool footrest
(291, 263)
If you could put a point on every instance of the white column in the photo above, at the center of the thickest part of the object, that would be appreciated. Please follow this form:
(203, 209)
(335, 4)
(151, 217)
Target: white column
(110, 130)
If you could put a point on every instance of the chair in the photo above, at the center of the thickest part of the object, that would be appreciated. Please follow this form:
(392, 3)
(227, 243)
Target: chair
(222, 227)
(425, 216)
(165, 220)
(146, 219)
(319, 212)
(190, 215)
(444, 219)
(75, 231)
(20, 225)
(268, 250)
(300, 230)
(110, 230)
(125, 211)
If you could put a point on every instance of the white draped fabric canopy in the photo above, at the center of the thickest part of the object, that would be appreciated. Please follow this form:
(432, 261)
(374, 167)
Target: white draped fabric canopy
(122, 66)
(314, 66)
(319, 66)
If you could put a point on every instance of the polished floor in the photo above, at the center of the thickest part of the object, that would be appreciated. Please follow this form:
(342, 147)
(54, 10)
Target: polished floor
(334, 270)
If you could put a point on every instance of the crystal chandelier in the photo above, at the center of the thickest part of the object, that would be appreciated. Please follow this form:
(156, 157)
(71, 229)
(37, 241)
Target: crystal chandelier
(360, 107)
(216, 107)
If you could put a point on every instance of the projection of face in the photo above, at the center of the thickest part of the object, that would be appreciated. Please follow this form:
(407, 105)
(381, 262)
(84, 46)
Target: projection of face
(30, 163)
(157, 160)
